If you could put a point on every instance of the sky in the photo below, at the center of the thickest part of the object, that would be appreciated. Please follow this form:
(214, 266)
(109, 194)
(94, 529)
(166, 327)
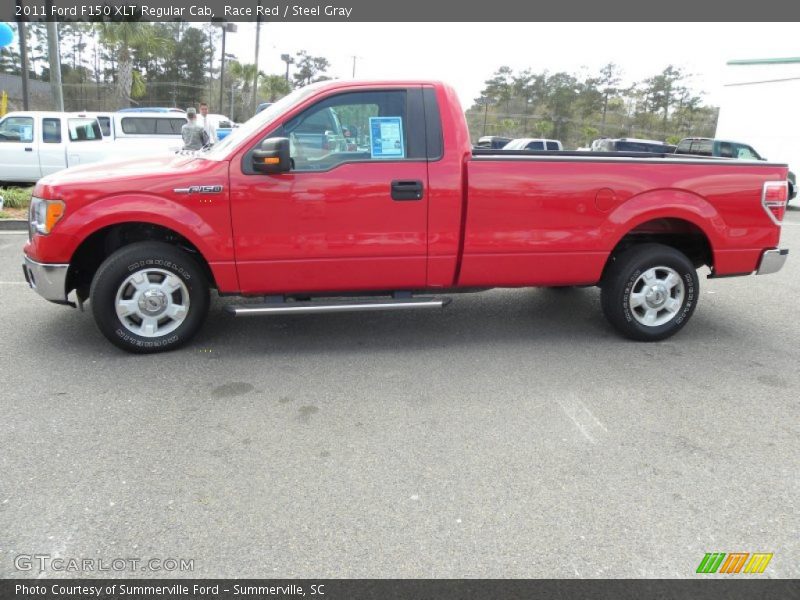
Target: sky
(466, 54)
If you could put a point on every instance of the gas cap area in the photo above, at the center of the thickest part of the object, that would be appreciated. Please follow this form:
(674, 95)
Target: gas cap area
(605, 199)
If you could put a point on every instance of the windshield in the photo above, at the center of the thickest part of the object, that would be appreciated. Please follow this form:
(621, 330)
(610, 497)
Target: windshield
(240, 134)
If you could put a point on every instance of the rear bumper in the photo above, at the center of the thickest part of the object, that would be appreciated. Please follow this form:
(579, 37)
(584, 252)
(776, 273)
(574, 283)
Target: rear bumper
(772, 261)
(49, 280)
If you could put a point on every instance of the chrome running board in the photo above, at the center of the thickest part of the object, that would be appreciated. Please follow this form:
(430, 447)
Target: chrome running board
(307, 307)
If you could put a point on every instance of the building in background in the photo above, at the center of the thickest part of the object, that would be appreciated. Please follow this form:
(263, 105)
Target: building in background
(760, 107)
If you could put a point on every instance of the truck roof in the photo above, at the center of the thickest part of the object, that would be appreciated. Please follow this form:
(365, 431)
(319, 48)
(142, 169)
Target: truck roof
(50, 114)
(341, 83)
(701, 139)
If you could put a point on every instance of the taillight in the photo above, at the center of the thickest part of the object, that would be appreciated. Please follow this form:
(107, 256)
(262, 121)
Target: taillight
(774, 197)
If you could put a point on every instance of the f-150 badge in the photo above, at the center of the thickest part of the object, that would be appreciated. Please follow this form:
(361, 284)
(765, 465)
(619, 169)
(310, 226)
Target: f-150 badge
(199, 189)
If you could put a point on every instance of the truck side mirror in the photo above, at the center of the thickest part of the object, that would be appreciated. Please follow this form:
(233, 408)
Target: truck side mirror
(272, 156)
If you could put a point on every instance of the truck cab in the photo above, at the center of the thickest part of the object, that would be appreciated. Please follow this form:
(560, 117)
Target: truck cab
(714, 147)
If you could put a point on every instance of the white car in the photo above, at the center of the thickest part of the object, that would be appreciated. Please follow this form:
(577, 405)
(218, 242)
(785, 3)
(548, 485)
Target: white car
(533, 144)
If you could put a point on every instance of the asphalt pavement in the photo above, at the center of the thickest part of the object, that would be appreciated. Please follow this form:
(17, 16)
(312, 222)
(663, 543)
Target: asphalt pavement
(514, 434)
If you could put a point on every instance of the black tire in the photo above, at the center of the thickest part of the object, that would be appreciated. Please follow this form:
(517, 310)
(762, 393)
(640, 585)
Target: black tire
(623, 278)
(153, 258)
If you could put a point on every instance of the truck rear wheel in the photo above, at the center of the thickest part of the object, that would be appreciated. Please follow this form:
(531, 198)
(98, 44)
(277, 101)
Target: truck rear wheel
(649, 292)
(149, 297)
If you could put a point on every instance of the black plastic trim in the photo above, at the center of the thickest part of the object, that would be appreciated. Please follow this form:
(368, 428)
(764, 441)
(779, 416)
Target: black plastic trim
(433, 125)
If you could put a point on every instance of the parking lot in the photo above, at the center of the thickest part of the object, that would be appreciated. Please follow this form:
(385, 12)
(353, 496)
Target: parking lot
(512, 435)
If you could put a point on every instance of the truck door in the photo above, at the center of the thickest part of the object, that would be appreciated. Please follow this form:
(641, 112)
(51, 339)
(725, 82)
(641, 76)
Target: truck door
(352, 213)
(53, 149)
(18, 149)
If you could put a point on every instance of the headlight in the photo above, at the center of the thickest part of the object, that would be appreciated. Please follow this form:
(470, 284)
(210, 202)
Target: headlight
(44, 214)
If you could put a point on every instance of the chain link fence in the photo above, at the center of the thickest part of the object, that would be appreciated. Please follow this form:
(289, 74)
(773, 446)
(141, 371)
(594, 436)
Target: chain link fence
(101, 96)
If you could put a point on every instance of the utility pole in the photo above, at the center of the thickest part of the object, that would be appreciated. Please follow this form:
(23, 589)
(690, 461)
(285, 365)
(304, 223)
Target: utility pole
(289, 61)
(255, 75)
(354, 65)
(222, 71)
(226, 27)
(54, 55)
(23, 53)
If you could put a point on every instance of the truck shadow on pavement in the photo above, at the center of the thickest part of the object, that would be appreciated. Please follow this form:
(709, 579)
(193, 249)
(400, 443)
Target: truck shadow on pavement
(491, 320)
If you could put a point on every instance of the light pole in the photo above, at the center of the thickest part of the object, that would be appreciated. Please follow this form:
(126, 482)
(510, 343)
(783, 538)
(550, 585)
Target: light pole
(354, 65)
(226, 28)
(233, 83)
(289, 61)
(484, 101)
(255, 76)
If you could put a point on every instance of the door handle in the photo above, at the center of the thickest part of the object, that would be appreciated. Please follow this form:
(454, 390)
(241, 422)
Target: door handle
(29, 149)
(407, 189)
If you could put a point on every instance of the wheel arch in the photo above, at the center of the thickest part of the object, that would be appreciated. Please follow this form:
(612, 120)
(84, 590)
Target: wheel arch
(676, 218)
(104, 241)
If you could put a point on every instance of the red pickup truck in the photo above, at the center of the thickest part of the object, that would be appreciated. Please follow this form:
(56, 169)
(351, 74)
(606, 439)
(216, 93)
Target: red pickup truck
(402, 215)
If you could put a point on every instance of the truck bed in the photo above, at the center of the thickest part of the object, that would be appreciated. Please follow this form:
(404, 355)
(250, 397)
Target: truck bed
(560, 214)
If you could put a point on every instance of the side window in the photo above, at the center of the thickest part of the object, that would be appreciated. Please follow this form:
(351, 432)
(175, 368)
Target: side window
(745, 152)
(354, 126)
(105, 125)
(702, 147)
(51, 131)
(84, 130)
(152, 126)
(137, 125)
(169, 126)
(726, 150)
(552, 146)
(535, 146)
(16, 129)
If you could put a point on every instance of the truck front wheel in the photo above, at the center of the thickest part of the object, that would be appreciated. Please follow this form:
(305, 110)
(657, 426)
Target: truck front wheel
(149, 297)
(649, 291)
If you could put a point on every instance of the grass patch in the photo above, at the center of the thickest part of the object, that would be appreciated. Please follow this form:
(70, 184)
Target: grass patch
(16, 197)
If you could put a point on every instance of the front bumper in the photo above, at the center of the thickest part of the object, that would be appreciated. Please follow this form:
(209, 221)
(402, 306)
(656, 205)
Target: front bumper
(772, 261)
(49, 280)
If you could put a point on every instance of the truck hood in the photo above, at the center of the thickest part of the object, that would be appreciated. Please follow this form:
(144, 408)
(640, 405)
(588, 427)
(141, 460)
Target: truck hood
(117, 176)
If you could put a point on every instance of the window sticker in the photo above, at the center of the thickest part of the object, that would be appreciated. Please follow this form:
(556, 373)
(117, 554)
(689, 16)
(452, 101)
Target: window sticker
(387, 137)
(26, 133)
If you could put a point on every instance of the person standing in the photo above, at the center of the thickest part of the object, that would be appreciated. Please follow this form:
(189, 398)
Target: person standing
(193, 134)
(207, 124)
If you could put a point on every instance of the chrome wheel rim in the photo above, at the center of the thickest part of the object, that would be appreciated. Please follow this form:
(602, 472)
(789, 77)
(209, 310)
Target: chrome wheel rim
(656, 296)
(152, 302)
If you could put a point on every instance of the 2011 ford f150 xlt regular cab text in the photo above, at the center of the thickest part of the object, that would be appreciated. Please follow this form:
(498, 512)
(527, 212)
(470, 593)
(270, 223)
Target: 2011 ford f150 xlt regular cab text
(407, 210)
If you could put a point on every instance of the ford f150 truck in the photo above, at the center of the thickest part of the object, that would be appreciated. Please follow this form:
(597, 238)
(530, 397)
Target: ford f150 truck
(402, 222)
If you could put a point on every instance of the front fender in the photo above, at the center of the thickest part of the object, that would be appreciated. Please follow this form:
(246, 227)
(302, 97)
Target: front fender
(205, 225)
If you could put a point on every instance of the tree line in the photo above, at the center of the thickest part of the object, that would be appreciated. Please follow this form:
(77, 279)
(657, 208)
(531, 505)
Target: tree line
(578, 108)
(118, 65)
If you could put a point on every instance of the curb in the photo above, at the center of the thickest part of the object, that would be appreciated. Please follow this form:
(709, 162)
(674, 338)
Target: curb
(13, 224)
